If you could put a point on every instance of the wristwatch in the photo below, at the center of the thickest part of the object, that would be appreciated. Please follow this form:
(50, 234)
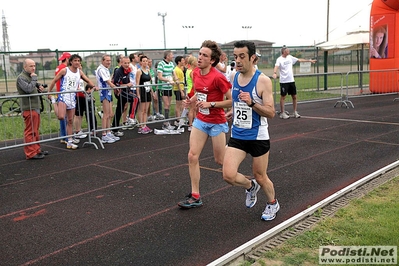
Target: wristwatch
(213, 104)
(252, 103)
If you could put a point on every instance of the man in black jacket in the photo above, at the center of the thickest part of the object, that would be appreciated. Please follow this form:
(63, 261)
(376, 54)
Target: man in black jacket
(121, 79)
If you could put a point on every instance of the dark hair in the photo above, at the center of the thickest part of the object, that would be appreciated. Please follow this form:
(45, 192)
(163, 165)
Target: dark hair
(250, 46)
(142, 57)
(131, 57)
(178, 59)
(216, 51)
(119, 58)
(73, 57)
(88, 86)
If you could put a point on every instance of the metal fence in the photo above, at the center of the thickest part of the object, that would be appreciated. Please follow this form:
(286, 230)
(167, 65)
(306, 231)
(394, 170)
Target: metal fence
(310, 87)
(46, 60)
(342, 85)
(12, 124)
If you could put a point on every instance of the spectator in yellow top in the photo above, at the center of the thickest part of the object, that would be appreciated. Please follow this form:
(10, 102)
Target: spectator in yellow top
(178, 87)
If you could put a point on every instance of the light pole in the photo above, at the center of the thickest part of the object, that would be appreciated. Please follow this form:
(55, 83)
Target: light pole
(188, 36)
(163, 15)
(247, 28)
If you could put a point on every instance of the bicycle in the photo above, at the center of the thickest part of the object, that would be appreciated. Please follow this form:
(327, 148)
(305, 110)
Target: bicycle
(10, 106)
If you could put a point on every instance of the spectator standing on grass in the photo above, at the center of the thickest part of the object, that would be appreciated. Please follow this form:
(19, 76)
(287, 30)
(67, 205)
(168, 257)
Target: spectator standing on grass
(143, 79)
(287, 83)
(135, 101)
(121, 78)
(213, 94)
(30, 107)
(253, 103)
(159, 93)
(70, 77)
(192, 64)
(178, 87)
(154, 95)
(106, 88)
(167, 80)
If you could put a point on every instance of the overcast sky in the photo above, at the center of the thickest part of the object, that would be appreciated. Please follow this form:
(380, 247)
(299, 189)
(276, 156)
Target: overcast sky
(98, 25)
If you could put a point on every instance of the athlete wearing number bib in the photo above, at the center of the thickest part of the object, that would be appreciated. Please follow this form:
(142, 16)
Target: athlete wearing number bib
(145, 92)
(252, 105)
(248, 124)
(210, 88)
(69, 82)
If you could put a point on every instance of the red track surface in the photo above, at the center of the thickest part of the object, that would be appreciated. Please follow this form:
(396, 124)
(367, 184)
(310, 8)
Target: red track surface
(117, 206)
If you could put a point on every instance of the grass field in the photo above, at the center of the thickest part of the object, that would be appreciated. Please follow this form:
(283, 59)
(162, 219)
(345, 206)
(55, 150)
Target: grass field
(368, 221)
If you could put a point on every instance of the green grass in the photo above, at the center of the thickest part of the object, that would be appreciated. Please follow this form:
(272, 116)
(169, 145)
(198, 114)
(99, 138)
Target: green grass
(371, 220)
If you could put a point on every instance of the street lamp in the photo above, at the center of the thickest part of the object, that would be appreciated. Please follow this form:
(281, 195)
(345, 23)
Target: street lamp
(188, 36)
(163, 15)
(247, 28)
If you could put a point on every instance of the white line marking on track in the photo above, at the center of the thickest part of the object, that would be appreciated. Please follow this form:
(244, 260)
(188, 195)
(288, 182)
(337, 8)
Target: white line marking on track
(351, 120)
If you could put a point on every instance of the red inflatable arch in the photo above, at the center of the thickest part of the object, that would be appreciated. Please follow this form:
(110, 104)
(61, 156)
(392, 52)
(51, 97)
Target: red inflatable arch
(384, 50)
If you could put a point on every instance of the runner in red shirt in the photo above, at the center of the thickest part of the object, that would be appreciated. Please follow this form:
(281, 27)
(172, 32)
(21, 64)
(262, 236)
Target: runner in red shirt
(212, 95)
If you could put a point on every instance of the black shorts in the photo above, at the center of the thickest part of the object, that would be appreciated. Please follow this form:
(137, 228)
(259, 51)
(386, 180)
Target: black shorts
(145, 96)
(255, 148)
(167, 93)
(178, 95)
(287, 88)
(80, 106)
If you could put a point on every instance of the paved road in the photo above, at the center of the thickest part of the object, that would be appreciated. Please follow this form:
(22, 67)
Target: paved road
(117, 206)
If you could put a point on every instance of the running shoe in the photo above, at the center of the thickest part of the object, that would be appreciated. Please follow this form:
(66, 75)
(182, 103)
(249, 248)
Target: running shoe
(128, 126)
(270, 211)
(296, 115)
(284, 115)
(168, 126)
(251, 198)
(80, 135)
(149, 129)
(107, 139)
(71, 146)
(159, 116)
(131, 121)
(190, 202)
(111, 135)
(146, 130)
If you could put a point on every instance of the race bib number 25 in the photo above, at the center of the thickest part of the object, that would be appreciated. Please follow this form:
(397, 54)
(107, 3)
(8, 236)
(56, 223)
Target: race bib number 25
(242, 115)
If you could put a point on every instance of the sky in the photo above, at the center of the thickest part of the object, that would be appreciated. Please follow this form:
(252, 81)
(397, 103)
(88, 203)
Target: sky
(103, 25)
